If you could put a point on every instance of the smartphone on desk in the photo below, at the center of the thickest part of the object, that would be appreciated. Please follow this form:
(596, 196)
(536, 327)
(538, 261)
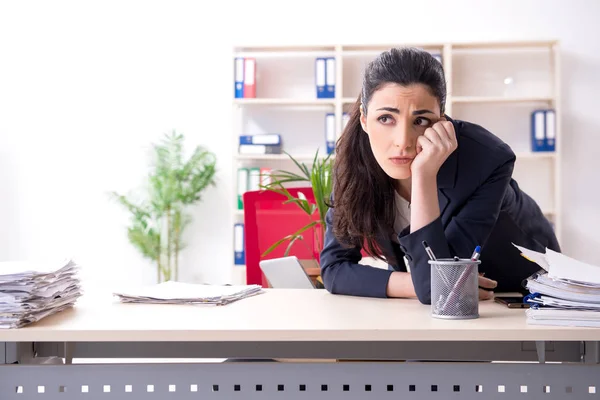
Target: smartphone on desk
(511, 302)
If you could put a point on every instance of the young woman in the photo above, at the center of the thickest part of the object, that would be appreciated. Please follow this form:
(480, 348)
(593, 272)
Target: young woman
(405, 173)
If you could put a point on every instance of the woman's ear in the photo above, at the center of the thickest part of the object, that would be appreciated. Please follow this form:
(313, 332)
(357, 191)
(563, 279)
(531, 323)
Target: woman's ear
(363, 119)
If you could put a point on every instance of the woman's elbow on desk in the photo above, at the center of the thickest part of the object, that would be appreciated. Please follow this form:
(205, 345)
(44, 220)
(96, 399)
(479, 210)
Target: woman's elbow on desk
(328, 277)
(424, 295)
(422, 287)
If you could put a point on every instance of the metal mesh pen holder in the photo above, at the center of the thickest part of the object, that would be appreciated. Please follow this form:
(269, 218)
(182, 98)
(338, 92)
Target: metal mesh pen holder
(454, 289)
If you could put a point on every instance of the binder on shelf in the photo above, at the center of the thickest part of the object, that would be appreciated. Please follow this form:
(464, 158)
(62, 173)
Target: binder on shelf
(543, 130)
(265, 176)
(239, 244)
(320, 77)
(242, 185)
(345, 119)
(259, 149)
(330, 77)
(264, 139)
(330, 132)
(249, 78)
(538, 128)
(254, 179)
(550, 144)
(239, 78)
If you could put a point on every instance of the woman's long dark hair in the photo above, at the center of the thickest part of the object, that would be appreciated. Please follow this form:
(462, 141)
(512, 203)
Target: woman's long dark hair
(363, 194)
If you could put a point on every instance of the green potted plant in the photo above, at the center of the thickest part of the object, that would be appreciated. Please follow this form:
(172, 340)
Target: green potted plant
(320, 178)
(159, 219)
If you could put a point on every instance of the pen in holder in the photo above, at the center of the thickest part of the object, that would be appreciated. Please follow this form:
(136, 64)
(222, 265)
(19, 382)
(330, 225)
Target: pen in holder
(454, 288)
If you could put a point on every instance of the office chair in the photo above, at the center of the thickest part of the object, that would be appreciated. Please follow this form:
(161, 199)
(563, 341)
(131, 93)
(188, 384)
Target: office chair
(266, 220)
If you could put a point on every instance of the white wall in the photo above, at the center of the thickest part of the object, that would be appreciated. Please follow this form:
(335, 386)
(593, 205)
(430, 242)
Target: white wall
(85, 86)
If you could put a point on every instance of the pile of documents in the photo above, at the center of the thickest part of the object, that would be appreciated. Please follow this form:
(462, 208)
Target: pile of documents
(30, 291)
(171, 292)
(565, 291)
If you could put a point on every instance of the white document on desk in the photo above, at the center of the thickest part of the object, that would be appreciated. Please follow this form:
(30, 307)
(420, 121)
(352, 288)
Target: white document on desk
(563, 289)
(562, 267)
(560, 317)
(15, 271)
(534, 256)
(186, 293)
(567, 294)
(32, 290)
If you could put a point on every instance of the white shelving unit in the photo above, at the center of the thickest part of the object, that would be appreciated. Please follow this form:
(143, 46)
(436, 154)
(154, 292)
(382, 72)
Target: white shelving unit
(496, 85)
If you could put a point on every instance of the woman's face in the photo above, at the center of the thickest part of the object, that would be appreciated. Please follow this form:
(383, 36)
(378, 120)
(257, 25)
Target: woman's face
(396, 116)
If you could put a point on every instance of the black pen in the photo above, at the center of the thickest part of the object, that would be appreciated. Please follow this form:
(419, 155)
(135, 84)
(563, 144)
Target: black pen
(429, 251)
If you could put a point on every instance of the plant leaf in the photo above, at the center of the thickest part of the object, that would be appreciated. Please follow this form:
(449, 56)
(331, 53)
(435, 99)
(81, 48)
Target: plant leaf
(289, 237)
(302, 167)
(290, 244)
(320, 179)
(280, 177)
(321, 184)
(303, 204)
(157, 222)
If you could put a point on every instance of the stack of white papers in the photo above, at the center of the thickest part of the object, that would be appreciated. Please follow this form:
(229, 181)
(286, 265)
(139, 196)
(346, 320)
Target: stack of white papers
(565, 292)
(187, 293)
(30, 291)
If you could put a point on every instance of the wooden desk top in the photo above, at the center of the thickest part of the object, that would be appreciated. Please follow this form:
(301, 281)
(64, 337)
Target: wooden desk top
(285, 315)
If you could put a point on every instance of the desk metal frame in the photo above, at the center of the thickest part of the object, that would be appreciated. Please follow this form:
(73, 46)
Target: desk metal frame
(552, 370)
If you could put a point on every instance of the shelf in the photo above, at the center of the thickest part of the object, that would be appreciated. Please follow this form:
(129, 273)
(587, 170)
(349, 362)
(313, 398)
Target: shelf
(284, 54)
(276, 50)
(366, 50)
(504, 45)
(499, 99)
(285, 102)
(481, 99)
(375, 53)
(534, 154)
(303, 157)
(298, 157)
(362, 53)
(376, 49)
(523, 155)
(349, 100)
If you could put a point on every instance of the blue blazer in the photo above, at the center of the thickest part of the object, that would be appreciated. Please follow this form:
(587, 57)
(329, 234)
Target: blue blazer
(480, 204)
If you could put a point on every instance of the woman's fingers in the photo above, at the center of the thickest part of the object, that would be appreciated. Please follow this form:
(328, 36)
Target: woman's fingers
(435, 137)
(485, 294)
(487, 283)
(424, 143)
(442, 135)
(445, 131)
(449, 129)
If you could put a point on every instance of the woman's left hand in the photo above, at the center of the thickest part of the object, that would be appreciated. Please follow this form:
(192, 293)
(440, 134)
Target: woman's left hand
(487, 284)
(433, 148)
